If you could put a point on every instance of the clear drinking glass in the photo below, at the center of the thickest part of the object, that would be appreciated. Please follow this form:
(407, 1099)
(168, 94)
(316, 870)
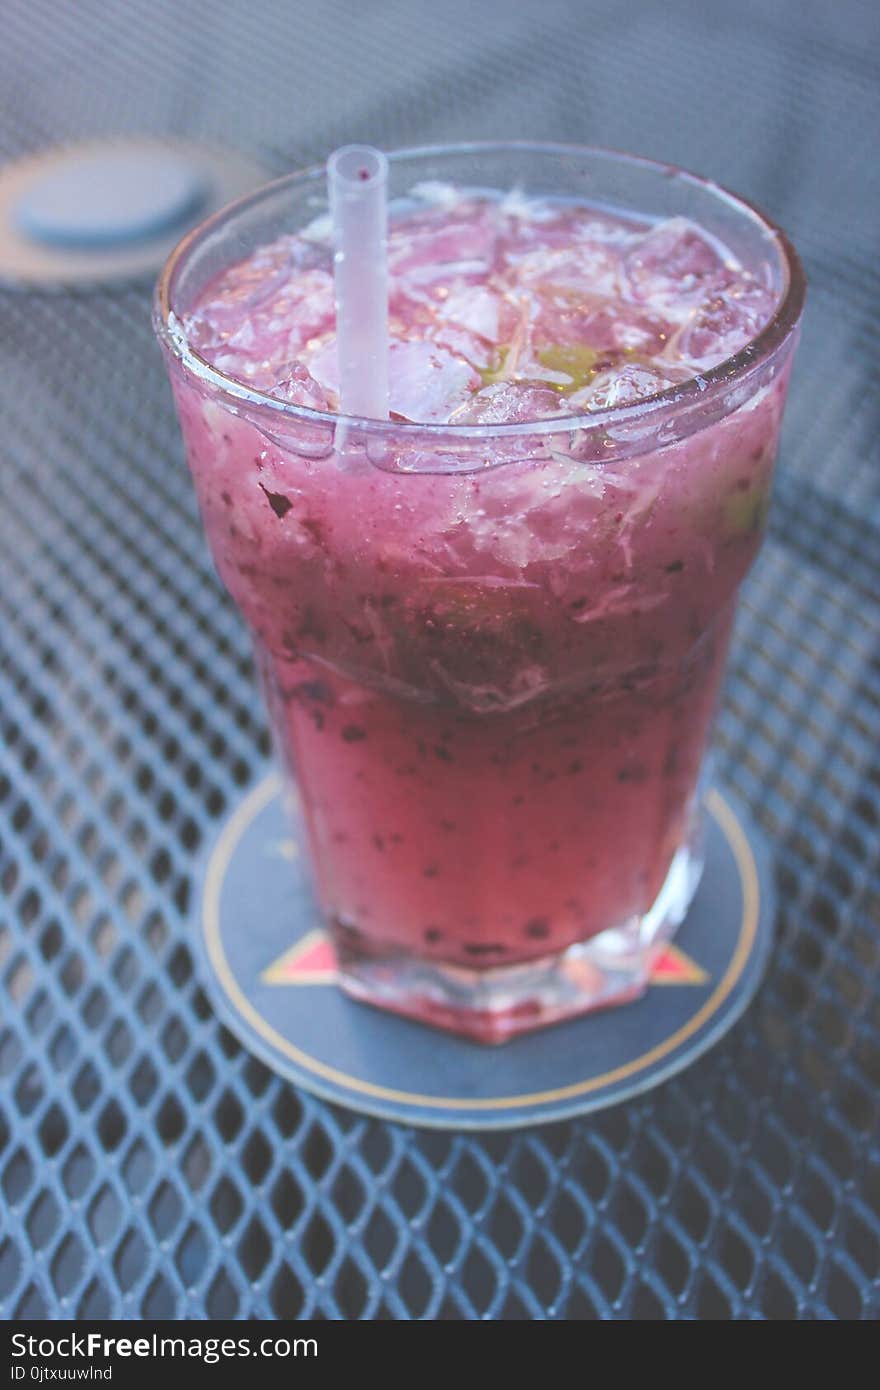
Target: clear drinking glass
(491, 653)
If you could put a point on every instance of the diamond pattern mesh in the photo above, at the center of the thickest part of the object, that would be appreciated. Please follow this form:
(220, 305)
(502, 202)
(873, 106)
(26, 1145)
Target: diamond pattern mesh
(149, 1166)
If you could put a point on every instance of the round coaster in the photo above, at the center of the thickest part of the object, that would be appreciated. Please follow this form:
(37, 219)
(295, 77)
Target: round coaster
(110, 197)
(270, 971)
(108, 211)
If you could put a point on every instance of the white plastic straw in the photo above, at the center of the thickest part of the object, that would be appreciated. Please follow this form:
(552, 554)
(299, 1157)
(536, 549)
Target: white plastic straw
(357, 183)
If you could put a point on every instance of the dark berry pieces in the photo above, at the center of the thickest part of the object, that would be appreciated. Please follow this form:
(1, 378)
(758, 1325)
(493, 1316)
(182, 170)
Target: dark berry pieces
(313, 696)
(315, 530)
(360, 635)
(538, 928)
(311, 626)
(353, 733)
(315, 690)
(280, 504)
(675, 567)
(633, 772)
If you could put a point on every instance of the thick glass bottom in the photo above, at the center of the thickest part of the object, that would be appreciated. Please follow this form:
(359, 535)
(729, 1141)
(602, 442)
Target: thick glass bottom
(495, 1004)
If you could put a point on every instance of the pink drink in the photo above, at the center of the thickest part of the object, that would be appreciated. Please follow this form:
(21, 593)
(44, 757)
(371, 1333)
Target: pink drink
(492, 656)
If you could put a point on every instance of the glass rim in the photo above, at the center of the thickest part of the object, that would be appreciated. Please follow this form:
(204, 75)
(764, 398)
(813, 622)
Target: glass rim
(697, 389)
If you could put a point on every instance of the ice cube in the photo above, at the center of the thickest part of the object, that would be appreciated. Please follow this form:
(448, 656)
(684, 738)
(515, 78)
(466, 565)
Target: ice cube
(427, 382)
(226, 311)
(436, 246)
(435, 191)
(541, 372)
(247, 285)
(671, 267)
(582, 242)
(299, 387)
(625, 330)
(204, 332)
(476, 308)
(624, 384)
(244, 336)
(723, 324)
(462, 343)
(471, 321)
(306, 310)
(268, 305)
(323, 365)
(590, 268)
(510, 402)
(517, 204)
(563, 319)
(319, 230)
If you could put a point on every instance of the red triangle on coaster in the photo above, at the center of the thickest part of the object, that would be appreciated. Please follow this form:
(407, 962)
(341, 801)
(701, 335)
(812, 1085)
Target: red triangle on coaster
(673, 967)
(312, 961)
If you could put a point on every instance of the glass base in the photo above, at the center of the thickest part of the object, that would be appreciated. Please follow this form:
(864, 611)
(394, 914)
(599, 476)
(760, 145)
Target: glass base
(495, 1004)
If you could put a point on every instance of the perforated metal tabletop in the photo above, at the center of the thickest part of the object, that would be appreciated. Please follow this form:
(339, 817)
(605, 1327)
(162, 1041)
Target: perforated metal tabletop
(149, 1167)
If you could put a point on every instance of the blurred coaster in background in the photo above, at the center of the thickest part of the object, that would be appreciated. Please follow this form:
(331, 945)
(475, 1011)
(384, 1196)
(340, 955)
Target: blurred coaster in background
(85, 216)
(270, 971)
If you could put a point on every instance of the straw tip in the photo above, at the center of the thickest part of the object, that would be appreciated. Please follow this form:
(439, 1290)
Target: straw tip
(354, 165)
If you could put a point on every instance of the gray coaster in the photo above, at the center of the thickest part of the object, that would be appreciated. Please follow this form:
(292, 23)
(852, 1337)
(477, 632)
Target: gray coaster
(270, 971)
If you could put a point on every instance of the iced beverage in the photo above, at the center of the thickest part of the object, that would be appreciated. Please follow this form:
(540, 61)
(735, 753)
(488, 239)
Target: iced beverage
(492, 629)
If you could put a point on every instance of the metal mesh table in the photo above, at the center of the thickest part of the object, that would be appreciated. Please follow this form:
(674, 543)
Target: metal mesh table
(149, 1166)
